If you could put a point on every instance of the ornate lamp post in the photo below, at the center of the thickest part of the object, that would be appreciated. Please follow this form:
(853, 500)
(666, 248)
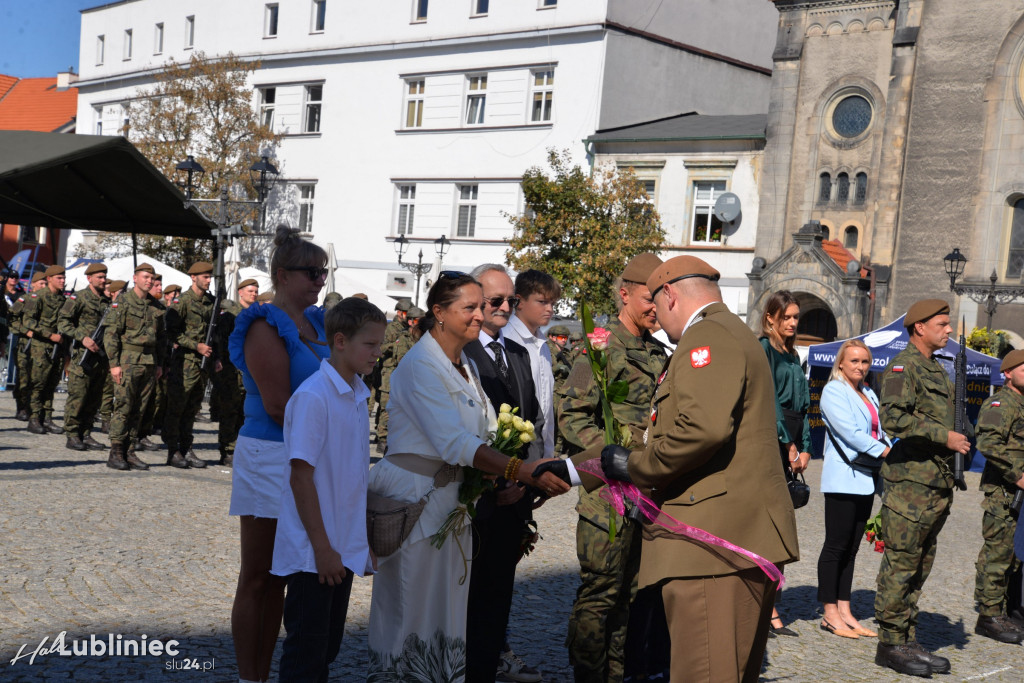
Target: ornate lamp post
(419, 269)
(991, 296)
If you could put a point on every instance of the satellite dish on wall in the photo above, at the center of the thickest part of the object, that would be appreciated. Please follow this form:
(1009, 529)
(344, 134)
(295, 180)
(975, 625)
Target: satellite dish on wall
(728, 210)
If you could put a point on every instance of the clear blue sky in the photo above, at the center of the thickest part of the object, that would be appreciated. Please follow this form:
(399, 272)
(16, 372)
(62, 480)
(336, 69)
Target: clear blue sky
(40, 37)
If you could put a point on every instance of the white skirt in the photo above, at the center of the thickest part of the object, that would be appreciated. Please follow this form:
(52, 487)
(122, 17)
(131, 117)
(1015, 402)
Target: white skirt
(258, 474)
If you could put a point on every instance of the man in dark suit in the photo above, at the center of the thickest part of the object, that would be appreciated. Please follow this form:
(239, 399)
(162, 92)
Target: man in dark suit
(502, 516)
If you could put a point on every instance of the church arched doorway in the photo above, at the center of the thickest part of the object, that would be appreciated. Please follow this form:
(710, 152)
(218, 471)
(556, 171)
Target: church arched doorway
(817, 322)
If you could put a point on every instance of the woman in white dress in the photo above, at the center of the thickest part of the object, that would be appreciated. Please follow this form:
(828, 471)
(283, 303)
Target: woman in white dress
(438, 417)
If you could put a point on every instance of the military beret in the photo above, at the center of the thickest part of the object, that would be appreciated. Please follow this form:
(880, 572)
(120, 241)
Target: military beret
(416, 312)
(38, 276)
(265, 297)
(640, 267)
(680, 268)
(116, 286)
(404, 304)
(171, 289)
(200, 267)
(331, 299)
(245, 283)
(54, 270)
(158, 277)
(94, 268)
(923, 310)
(144, 268)
(360, 295)
(1012, 360)
(562, 330)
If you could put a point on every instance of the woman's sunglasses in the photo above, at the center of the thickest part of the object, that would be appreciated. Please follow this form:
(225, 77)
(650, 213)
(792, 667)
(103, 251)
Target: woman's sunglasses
(313, 272)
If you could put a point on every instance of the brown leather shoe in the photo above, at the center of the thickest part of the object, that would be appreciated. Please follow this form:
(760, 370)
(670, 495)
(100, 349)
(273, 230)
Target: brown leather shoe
(193, 460)
(35, 426)
(75, 443)
(146, 445)
(134, 463)
(52, 428)
(93, 443)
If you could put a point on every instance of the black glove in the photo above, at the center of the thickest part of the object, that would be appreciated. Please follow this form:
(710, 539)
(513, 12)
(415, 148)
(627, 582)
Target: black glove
(614, 461)
(555, 467)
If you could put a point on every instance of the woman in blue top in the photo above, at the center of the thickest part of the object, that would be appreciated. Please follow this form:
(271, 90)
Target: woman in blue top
(276, 346)
(850, 411)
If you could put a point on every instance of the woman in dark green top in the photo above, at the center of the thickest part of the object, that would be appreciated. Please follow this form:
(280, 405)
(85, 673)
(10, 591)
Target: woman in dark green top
(792, 395)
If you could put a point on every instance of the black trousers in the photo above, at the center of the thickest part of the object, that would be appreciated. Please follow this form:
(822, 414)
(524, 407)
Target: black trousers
(497, 542)
(845, 516)
(314, 620)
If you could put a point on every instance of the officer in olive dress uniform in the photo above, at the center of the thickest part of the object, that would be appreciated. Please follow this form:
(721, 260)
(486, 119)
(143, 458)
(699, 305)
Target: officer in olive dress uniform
(46, 351)
(79, 320)
(134, 342)
(23, 362)
(608, 568)
(1001, 440)
(114, 289)
(229, 379)
(387, 364)
(188, 378)
(916, 404)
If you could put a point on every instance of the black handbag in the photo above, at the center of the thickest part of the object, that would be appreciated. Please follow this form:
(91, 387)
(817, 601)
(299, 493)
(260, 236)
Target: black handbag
(799, 491)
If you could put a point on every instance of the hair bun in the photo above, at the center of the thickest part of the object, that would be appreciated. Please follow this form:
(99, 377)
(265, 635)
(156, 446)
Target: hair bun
(284, 233)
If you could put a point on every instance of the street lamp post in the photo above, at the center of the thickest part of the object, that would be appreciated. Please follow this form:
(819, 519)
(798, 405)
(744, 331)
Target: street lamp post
(419, 269)
(991, 295)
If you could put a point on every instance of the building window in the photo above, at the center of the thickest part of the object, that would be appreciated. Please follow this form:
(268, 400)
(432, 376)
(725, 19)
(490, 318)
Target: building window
(419, 10)
(158, 38)
(480, 7)
(414, 103)
(706, 228)
(406, 209)
(825, 188)
(467, 210)
(476, 99)
(270, 14)
(824, 232)
(861, 194)
(842, 188)
(314, 100)
(306, 196)
(319, 15)
(650, 186)
(851, 116)
(1015, 254)
(850, 237)
(101, 42)
(190, 32)
(544, 4)
(268, 99)
(28, 234)
(98, 115)
(543, 92)
(127, 44)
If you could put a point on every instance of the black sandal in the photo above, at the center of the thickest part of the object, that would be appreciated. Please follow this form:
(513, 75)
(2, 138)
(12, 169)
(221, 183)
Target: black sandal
(781, 630)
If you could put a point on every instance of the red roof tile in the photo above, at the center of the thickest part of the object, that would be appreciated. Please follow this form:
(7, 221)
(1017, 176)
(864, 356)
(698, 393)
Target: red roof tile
(840, 254)
(36, 104)
(5, 83)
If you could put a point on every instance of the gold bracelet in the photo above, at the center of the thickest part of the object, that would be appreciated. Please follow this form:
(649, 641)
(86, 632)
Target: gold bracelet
(512, 467)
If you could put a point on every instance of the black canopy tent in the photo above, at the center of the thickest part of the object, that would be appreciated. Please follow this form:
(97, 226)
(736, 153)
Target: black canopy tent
(90, 182)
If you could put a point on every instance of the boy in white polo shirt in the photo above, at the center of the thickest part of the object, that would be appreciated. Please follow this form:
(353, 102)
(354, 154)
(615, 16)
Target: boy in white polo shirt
(321, 532)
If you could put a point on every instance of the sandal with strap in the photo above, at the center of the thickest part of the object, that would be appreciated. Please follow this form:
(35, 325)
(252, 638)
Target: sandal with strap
(842, 632)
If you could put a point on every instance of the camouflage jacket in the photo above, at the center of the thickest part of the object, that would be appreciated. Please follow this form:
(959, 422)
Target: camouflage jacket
(41, 317)
(637, 360)
(1001, 440)
(917, 408)
(192, 320)
(17, 312)
(561, 365)
(81, 314)
(403, 345)
(392, 333)
(135, 331)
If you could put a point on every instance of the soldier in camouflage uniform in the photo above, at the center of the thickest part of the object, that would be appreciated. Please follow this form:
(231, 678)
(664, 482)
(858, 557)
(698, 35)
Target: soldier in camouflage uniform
(1001, 440)
(608, 568)
(188, 379)
(558, 345)
(229, 379)
(23, 361)
(78, 320)
(135, 343)
(387, 364)
(47, 359)
(114, 289)
(147, 425)
(916, 408)
(153, 422)
(407, 339)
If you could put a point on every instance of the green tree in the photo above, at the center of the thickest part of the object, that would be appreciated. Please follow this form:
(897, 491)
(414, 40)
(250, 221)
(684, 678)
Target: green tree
(204, 108)
(582, 228)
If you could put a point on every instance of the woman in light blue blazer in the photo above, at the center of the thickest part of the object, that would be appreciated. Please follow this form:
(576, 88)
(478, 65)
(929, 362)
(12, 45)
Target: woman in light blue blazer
(850, 411)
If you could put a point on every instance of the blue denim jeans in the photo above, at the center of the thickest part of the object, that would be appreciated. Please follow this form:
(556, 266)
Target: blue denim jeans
(314, 620)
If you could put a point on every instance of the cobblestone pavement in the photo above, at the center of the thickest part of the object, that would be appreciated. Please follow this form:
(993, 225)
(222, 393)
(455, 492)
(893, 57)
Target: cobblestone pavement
(90, 551)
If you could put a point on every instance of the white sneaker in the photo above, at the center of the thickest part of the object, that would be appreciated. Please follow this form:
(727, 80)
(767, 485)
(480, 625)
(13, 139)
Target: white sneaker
(512, 668)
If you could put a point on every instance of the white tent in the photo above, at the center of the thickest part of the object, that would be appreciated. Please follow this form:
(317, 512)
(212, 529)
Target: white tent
(124, 267)
(347, 286)
(250, 273)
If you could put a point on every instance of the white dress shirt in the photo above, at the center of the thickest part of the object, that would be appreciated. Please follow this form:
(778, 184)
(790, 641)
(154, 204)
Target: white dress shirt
(486, 339)
(543, 378)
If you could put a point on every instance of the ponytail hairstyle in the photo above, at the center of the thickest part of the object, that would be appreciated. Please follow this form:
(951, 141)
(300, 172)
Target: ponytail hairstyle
(292, 250)
(443, 293)
(774, 309)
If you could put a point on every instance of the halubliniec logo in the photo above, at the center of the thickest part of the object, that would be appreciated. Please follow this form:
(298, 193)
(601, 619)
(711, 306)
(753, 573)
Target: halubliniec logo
(111, 645)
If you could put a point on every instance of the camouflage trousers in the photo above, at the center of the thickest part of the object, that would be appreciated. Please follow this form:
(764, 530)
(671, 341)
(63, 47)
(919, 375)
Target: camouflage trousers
(130, 397)
(155, 410)
(912, 517)
(45, 376)
(22, 383)
(85, 394)
(996, 557)
(382, 415)
(608, 575)
(231, 391)
(107, 403)
(185, 388)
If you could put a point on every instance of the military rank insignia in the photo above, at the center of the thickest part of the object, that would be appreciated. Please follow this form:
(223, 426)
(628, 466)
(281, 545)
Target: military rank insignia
(700, 357)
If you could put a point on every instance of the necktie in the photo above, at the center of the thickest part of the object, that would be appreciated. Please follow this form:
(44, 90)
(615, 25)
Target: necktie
(499, 360)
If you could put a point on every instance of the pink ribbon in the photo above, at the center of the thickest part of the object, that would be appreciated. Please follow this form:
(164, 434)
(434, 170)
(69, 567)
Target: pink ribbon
(617, 492)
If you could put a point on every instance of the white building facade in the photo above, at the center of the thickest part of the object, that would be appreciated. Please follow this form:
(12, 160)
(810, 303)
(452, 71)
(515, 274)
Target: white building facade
(417, 118)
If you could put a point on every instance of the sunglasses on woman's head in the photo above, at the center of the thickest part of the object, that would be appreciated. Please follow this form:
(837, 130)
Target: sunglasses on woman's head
(313, 272)
(452, 274)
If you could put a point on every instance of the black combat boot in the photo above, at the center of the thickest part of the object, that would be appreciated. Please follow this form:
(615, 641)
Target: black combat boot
(35, 426)
(93, 443)
(176, 459)
(146, 445)
(193, 460)
(998, 628)
(938, 665)
(75, 443)
(227, 457)
(52, 428)
(901, 658)
(22, 415)
(116, 459)
(133, 460)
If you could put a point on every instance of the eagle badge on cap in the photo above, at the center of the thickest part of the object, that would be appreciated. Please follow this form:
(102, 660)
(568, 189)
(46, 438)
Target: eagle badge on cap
(700, 357)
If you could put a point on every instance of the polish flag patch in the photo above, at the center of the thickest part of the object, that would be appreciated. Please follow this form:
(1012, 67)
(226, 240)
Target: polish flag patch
(700, 357)
(897, 368)
(995, 404)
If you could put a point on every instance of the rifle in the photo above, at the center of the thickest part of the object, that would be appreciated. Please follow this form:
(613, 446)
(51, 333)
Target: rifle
(1015, 504)
(960, 408)
(88, 360)
(211, 329)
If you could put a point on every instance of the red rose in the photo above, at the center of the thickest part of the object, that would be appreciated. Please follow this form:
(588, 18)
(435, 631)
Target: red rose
(871, 536)
(879, 546)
